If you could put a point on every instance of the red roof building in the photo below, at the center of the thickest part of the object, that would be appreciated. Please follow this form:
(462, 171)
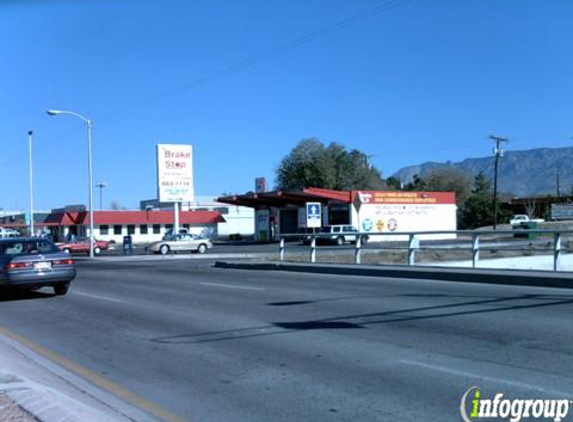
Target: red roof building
(143, 226)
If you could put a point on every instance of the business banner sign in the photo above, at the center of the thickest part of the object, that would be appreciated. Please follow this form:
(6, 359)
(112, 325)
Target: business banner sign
(175, 173)
(398, 197)
(395, 212)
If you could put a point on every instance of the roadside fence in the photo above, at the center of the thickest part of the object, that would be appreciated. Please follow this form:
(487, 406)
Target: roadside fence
(473, 241)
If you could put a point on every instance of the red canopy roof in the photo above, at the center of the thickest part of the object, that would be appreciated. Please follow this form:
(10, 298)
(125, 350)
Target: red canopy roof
(280, 198)
(61, 219)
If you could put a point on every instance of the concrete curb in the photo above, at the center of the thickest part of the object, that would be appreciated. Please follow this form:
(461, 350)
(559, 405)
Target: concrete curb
(486, 276)
(171, 257)
(47, 404)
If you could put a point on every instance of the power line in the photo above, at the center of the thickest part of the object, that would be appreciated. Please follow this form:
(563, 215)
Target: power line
(428, 147)
(252, 61)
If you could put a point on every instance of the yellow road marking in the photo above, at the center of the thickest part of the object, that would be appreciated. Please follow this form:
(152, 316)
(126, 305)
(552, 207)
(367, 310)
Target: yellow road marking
(112, 387)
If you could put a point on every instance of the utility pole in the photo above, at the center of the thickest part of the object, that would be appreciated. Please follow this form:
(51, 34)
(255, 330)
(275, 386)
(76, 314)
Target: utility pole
(498, 152)
(101, 185)
(557, 177)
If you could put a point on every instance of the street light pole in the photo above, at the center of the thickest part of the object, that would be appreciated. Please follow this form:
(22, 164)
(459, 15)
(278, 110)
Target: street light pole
(101, 185)
(91, 182)
(30, 133)
(88, 123)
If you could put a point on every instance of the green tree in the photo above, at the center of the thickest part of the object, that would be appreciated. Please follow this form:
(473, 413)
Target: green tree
(477, 210)
(312, 164)
(417, 184)
(394, 183)
(481, 184)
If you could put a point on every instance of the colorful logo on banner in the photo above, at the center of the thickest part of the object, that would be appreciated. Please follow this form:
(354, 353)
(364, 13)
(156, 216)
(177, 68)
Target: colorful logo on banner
(367, 225)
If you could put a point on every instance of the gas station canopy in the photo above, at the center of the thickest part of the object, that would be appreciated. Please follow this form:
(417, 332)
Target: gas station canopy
(281, 198)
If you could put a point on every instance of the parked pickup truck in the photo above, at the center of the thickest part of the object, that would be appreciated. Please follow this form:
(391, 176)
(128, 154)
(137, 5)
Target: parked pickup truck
(517, 219)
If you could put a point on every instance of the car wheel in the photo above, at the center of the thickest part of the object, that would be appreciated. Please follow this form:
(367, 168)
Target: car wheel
(97, 250)
(340, 241)
(68, 251)
(202, 248)
(61, 289)
(164, 250)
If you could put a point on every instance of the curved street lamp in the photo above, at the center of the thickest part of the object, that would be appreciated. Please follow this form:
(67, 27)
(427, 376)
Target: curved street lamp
(88, 123)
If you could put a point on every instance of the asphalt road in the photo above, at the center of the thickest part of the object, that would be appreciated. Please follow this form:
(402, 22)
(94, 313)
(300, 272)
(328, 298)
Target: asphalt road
(229, 345)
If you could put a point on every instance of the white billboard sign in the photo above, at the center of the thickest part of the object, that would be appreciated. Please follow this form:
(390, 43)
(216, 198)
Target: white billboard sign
(175, 173)
(395, 212)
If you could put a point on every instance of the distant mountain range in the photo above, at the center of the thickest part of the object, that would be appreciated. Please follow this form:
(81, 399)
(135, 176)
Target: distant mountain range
(521, 173)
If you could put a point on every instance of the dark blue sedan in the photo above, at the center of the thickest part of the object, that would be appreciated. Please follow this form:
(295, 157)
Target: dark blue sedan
(35, 262)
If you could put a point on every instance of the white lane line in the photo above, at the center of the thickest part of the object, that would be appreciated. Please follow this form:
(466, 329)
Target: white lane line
(466, 374)
(232, 286)
(109, 299)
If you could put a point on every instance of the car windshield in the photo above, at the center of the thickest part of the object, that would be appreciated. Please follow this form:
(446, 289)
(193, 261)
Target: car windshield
(23, 247)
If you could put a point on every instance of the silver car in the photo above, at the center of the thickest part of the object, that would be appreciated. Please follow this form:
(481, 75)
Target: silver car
(181, 243)
(35, 262)
(341, 234)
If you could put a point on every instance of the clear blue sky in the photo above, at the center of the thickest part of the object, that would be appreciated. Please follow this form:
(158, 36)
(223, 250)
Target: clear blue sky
(425, 81)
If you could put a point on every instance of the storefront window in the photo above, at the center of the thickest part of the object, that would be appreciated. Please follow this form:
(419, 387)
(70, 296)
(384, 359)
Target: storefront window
(338, 214)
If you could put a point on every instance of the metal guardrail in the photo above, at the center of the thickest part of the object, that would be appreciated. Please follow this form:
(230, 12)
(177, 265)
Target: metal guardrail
(413, 242)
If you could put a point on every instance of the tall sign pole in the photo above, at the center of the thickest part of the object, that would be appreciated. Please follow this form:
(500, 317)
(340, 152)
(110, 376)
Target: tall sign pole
(176, 218)
(175, 177)
(498, 152)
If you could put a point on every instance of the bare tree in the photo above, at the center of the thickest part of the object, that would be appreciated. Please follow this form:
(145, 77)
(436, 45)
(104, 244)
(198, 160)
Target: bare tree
(530, 205)
(450, 179)
(116, 206)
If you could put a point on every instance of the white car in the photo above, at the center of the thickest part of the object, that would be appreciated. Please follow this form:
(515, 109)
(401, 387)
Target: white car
(8, 233)
(181, 243)
(524, 218)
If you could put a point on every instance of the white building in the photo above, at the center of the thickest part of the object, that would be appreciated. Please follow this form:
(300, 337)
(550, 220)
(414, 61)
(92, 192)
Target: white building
(142, 226)
(239, 221)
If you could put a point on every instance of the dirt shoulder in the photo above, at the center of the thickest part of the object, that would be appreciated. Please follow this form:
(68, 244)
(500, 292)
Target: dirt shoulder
(11, 412)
